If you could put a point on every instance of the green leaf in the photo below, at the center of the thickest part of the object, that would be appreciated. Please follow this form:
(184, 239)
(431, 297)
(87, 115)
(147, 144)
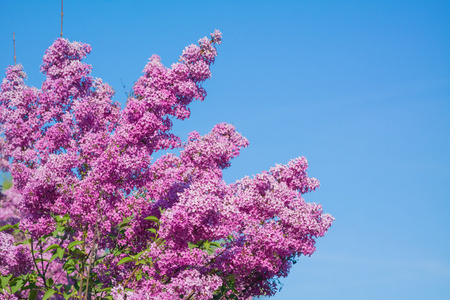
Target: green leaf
(32, 295)
(51, 247)
(5, 280)
(140, 253)
(16, 285)
(76, 286)
(6, 227)
(43, 239)
(152, 230)
(125, 222)
(60, 252)
(48, 294)
(152, 218)
(73, 244)
(58, 229)
(28, 287)
(124, 260)
(49, 282)
(77, 253)
(25, 242)
(231, 278)
(53, 257)
(69, 263)
(67, 287)
(231, 283)
(69, 266)
(139, 275)
(216, 245)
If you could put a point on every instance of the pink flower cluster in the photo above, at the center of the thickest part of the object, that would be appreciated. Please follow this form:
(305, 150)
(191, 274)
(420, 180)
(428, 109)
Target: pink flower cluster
(9, 206)
(74, 152)
(13, 259)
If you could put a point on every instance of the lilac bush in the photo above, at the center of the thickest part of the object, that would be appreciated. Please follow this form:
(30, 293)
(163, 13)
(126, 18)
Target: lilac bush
(101, 219)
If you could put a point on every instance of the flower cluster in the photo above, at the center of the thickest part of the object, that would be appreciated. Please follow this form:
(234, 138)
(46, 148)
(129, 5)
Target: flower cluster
(123, 225)
(9, 207)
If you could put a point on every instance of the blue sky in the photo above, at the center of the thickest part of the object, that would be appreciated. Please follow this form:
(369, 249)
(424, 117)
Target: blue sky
(360, 88)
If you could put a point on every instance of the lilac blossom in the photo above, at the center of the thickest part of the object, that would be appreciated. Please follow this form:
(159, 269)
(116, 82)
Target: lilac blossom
(73, 152)
(9, 206)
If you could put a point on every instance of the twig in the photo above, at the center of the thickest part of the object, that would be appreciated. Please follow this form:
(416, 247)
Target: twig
(81, 273)
(61, 17)
(190, 295)
(14, 42)
(91, 257)
(131, 276)
(34, 261)
(92, 254)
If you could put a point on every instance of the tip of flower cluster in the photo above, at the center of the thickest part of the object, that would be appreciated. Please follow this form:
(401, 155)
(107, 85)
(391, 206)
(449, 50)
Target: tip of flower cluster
(14, 71)
(17, 67)
(216, 36)
(194, 135)
(64, 50)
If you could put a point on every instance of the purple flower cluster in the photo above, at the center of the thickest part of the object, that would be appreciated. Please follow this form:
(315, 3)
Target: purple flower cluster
(73, 152)
(14, 260)
(9, 207)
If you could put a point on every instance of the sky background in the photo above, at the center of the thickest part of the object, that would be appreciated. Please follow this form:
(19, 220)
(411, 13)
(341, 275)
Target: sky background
(360, 88)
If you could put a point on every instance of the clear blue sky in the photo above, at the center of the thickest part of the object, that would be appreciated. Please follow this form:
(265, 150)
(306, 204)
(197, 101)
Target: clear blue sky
(361, 88)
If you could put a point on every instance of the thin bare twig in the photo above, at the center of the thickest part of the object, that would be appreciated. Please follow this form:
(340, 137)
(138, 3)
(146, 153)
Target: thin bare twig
(92, 256)
(14, 42)
(190, 295)
(62, 17)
